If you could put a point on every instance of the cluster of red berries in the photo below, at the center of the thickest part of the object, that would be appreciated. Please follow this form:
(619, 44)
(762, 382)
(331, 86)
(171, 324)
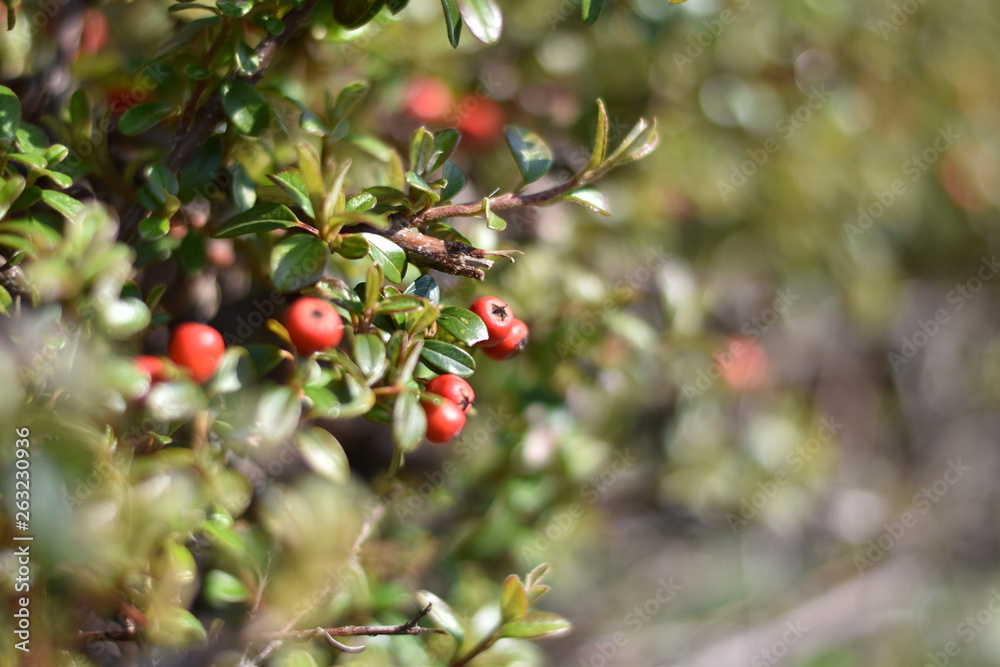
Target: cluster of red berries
(507, 336)
(314, 325)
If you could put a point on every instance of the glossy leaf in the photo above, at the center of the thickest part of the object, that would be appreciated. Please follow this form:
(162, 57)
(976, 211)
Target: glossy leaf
(263, 217)
(143, 116)
(421, 150)
(387, 254)
(483, 18)
(324, 454)
(10, 117)
(355, 13)
(590, 198)
(153, 227)
(297, 262)
(409, 423)
(246, 108)
(445, 143)
(369, 355)
(591, 10)
(447, 358)
(536, 624)
(452, 21)
(290, 180)
(532, 155)
(513, 600)
(463, 324)
(427, 288)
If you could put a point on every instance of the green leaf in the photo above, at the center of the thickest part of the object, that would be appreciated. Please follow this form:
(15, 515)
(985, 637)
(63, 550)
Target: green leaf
(447, 358)
(55, 154)
(452, 21)
(409, 423)
(6, 300)
(198, 172)
(295, 658)
(10, 117)
(161, 182)
(396, 6)
(123, 318)
(192, 252)
(60, 179)
(62, 203)
(10, 190)
(29, 159)
(297, 262)
(442, 615)
(290, 180)
(222, 588)
(421, 150)
(355, 13)
(153, 227)
(591, 10)
(235, 8)
(246, 108)
(600, 133)
(269, 22)
(369, 355)
(354, 246)
(177, 628)
(399, 303)
(31, 138)
(347, 101)
(531, 154)
(264, 357)
(418, 320)
(590, 198)
(324, 454)
(639, 143)
(242, 188)
(427, 288)
(143, 116)
(483, 18)
(386, 254)
(536, 624)
(263, 217)
(445, 142)
(246, 58)
(513, 600)
(361, 203)
(463, 324)
(28, 198)
(456, 181)
(493, 221)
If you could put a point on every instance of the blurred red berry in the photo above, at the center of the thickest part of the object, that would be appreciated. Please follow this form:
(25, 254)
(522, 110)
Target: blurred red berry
(198, 348)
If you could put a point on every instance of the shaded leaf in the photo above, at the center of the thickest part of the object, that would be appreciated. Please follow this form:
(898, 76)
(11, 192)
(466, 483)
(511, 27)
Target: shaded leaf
(452, 21)
(10, 117)
(591, 10)
(425, 287)
(409, 423)
(324, 454)
(143, 116)
(263, 217)
(246, 108)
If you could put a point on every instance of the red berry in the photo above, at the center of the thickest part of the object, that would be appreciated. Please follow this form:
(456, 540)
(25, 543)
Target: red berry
(511, 345)
(152, 366)
(427, 99)
(498, 318)
(480, 120)
(444, 420)
(454, 389)
(313, 325)
(198, 348)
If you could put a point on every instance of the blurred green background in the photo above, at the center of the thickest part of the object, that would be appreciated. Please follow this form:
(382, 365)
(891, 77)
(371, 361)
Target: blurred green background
(757, 422)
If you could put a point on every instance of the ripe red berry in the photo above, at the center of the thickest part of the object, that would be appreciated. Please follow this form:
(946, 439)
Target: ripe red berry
(454, 389)
(152, 366)
(511, 345)
(480, 121)
(313, 325)
(497, 315)
(445, 420)
(198, 348)
(428, 99)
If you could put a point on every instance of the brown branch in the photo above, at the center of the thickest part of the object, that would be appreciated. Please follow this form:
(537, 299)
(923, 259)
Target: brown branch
(408, 628)
(507, 202)
(211, 113)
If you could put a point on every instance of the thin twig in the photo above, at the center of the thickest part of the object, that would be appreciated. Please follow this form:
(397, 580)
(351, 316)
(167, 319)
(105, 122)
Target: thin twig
(408, 628)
